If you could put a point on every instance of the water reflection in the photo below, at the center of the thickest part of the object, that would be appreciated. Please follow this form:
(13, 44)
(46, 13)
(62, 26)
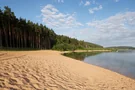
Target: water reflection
(81, 55)
(123, 63)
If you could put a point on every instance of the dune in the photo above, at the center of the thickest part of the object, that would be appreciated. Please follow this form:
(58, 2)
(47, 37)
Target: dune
(49, 70)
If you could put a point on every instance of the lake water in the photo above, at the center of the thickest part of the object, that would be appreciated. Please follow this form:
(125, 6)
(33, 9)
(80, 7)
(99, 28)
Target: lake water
(121, 62)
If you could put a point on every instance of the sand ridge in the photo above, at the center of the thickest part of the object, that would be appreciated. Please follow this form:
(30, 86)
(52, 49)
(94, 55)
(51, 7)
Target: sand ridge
(49, 70)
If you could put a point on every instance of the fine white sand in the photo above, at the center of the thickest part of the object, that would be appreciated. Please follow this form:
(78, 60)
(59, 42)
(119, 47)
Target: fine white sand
(49, 70)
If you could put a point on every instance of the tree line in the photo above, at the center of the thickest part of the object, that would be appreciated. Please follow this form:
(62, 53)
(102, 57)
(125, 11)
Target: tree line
(67, 43)
(21, 33)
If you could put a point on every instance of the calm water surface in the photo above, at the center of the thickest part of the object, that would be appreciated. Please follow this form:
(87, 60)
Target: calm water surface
(121, 62)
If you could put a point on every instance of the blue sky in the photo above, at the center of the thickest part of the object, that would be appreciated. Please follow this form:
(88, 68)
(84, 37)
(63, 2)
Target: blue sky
(105, 22)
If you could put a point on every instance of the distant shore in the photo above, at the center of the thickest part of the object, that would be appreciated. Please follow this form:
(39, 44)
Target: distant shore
(49, 70)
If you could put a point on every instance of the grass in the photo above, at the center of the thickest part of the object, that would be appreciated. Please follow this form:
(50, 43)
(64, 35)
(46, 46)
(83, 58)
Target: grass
(17, 49)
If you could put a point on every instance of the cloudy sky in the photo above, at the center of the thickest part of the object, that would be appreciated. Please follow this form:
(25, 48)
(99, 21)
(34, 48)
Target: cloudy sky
(105, 22)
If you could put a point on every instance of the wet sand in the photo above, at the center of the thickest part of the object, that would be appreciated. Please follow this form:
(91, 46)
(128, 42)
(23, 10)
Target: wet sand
(49, 70)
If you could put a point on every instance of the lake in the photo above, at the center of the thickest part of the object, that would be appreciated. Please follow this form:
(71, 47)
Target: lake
(122, 62)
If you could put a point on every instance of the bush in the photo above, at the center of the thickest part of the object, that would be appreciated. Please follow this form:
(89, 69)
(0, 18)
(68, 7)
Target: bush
(64, 47)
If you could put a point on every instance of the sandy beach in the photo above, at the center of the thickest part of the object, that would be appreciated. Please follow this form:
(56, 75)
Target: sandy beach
(49, 70)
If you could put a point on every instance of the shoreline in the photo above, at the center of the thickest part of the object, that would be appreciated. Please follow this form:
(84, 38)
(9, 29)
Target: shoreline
(112, 71)
(102, 51)
(86, 51)
(47, 69)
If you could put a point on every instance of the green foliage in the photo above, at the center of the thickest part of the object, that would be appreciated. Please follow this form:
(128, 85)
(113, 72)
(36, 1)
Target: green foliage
(19, 33)
(80, 55)
(64, 47)
(121, 47)
(66, 43)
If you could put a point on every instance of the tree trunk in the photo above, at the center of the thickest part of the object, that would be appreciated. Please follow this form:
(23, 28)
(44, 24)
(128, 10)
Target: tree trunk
(10, 37)
(5, 36)
(0, 38)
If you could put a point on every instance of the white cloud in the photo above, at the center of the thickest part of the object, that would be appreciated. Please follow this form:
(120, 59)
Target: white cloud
(87, 3)
(53, 18)
(60, 1)
(116, 0)
(115, 30)
(92, 10)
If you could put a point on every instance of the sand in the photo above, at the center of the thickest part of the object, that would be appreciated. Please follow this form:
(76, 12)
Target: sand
(49, 70)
